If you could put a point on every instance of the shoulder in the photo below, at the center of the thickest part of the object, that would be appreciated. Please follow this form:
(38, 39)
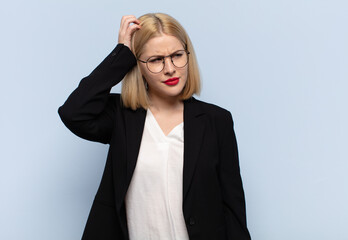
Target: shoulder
(217, 118)
(220, 114)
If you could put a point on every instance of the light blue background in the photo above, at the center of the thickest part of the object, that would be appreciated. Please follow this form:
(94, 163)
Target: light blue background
(280, 67)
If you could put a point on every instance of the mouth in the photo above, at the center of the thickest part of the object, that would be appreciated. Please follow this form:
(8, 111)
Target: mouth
(172, 81)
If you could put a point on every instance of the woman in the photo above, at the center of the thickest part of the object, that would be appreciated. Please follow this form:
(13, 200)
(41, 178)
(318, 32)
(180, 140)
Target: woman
(172, 169)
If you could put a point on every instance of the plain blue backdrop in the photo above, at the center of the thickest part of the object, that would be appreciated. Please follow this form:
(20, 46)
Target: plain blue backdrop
(280, 67)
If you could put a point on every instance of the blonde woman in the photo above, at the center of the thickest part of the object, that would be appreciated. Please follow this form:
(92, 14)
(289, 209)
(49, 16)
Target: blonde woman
(172, 171)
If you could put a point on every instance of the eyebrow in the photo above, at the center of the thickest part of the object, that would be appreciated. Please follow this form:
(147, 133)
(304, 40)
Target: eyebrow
(166, 55)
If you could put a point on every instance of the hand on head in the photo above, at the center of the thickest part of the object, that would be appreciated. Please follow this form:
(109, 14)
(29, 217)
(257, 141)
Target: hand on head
(127, 29)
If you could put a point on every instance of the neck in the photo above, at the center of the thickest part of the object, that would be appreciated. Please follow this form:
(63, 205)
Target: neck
(166, 104)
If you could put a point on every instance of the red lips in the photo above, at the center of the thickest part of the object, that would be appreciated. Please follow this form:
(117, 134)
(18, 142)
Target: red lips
(172, 81)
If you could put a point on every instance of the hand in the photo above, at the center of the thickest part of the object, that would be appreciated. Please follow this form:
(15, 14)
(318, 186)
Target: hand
(126, 30)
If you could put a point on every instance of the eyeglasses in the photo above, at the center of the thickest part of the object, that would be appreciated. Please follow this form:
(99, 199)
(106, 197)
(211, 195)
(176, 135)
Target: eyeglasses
(155, 64)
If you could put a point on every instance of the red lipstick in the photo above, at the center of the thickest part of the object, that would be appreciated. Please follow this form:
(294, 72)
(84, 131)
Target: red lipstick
(172, 81)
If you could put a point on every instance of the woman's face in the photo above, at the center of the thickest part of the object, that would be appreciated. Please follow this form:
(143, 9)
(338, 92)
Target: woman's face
(163, 45)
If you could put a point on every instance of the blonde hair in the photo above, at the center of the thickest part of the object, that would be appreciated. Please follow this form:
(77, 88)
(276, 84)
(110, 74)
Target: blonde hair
(134, 93)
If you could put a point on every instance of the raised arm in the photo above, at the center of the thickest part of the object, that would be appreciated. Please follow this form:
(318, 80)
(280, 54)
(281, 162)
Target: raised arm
(89, 110)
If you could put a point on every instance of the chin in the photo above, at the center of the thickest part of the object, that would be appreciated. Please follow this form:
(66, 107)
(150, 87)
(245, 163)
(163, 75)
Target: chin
(175, 92)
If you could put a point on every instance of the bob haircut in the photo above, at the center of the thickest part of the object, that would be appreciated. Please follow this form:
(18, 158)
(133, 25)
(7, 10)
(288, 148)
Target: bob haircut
(134, 93)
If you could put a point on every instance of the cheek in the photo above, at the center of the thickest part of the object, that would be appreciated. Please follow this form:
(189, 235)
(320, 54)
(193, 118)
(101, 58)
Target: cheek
(148, 76)
(185, 73)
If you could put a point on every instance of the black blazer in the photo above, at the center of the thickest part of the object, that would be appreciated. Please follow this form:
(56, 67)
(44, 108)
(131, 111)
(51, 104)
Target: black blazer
(213, 196)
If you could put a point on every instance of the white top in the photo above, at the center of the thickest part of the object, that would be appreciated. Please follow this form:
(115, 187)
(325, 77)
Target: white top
(154, 198)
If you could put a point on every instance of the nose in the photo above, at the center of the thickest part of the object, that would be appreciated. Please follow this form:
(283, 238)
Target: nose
(169, 68)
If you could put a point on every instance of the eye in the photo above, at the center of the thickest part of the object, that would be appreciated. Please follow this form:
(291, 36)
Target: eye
(177, 55)
(155, 60)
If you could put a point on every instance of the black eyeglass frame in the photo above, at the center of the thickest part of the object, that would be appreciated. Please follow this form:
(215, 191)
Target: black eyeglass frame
(171, 59)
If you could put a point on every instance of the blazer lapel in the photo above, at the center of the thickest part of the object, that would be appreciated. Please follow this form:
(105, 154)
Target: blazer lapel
(134, 122)
(193, 135)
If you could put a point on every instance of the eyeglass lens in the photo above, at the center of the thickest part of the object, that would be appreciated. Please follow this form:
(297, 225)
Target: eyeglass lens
(156, 64)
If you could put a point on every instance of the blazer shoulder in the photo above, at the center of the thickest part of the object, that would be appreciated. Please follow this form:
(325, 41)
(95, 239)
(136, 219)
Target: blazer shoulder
(213, 109)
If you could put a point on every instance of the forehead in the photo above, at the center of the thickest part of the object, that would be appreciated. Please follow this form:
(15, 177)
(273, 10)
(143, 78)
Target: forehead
(162, 45)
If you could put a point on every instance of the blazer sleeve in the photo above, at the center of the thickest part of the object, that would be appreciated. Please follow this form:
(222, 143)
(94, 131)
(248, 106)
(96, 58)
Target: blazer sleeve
(231, 182)
(89, 110)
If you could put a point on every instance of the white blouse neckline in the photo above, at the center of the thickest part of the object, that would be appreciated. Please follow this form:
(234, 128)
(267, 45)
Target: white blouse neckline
(160, 129)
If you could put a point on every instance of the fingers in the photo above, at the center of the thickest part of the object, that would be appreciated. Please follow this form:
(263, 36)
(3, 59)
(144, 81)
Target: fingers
(127, 29)
(126, 20)
(132, 29)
